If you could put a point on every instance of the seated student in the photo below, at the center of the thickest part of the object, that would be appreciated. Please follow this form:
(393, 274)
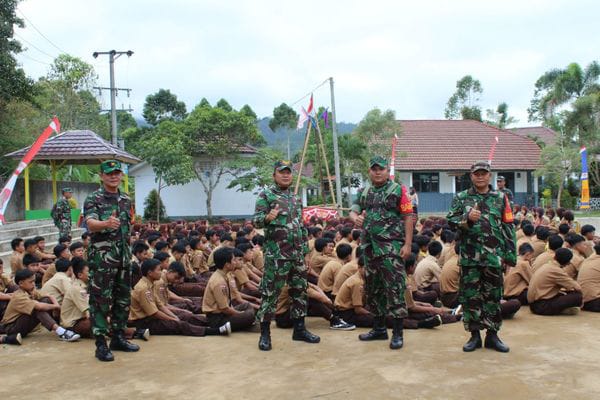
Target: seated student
(350, 300)
(225, 241)
(449, 279)
(140, 253)
(528, 234)
(40, 249)
(427, 273)
(319, 305)
(555, 242)
(58, 285)
(85, 240)
(16, 258)
(259, 259)
(164, 259)
(578, 246)
(60, 251)
(7, 287)
(34, 264)
(332, 268)
(563, 230)
(323, 254)
(589, 234)
(217, 302)
(254, 273)
(345, 236)
(175, 275)
(77, 250)
(74, 311)
(241, 273)
(516, 281)
(146, 312)
(198, 258)
(346, 272)
(152, 240)
(447, 238)
(569, 219)
(422, 241)
(27, 309)
(551, 290)
(539, 241)
(589, 279)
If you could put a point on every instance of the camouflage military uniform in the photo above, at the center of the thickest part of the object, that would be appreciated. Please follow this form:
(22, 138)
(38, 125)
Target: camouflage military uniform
(109, 256)
(284, 249)
(484, 245)
(381, 241)
(62, 217)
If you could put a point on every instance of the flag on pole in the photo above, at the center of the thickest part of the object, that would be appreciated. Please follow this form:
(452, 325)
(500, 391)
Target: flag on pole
(393, 161)
(33, 150)
(492, 150)
(325, 117)
(585, 185)
(307, 115)
(301, 119)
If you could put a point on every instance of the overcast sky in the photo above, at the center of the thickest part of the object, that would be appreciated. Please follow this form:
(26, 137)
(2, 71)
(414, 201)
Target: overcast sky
(404, 56)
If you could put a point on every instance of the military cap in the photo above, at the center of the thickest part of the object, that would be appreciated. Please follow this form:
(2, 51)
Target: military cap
(378, 160)
(109, 166)
(481, 165)
(280, 165)
(67, 190)
(500, 178)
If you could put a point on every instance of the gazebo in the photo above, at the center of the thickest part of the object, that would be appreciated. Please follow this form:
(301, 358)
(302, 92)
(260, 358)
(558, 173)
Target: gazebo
(77, 147)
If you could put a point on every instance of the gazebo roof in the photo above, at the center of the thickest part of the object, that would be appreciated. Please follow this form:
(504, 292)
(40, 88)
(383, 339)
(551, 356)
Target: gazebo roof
(77, 147)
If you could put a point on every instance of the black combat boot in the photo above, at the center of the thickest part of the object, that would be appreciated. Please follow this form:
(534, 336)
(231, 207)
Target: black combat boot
(379, 331)
(103, 353)
(302, 334)
(474, 342)
(264, 343)
(119, 343)
(492, 341)
(397, 337)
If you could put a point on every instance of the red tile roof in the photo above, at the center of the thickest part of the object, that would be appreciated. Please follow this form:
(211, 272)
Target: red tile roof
(546, 135)
(453, 145)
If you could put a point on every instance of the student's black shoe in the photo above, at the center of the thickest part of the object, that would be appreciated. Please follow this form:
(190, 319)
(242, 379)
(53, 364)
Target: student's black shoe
(397, 335)
(379, 331)
(492, 341)
(302, 334)
(339, 324)
(142, 334)
(431, 322)
(103, 353)
(119, 343)
(264, 343)
(473, 343)
(12, 339)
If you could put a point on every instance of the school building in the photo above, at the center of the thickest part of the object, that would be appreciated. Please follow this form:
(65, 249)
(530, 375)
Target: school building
(435, 156)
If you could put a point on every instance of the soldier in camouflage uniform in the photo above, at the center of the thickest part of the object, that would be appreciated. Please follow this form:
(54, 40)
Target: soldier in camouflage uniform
(483, 218)
(501, 184)
(279, 212)
(384, 210)
(61, 213)
(108, 215)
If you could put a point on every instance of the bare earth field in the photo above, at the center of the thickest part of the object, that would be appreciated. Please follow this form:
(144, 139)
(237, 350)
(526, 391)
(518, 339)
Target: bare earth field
(550, 358)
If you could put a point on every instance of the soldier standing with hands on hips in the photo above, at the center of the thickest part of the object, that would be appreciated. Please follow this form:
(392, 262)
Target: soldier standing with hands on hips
(108, 216)
(384, 211)
(484, 221)
(279, 212)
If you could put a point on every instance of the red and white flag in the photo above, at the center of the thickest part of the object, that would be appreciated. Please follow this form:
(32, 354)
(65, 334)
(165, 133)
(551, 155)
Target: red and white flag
(33, 150)
(306, 115)
(492, 150)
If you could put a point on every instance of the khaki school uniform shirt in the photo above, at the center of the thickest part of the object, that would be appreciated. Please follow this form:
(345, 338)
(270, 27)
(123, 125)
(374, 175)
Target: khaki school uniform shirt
(161, 291)
(589, 278)
(524, 239)
(447, 252)
(344, 273)
(211, 258)
(21, 303)
(328, 274)
(16, 263)
(517, 279)
(520, 233)
(259, 259)
(49, 273)
(217, 295)
(539, 246)
(548, 281)
(573, 268)
(450, 275)
(351, 293)
(542, 259)
(57, 286)
(75, 304)
(589, 248)
(199, 264)
(427, 272)
(241, 277)
(5, 283)
(318, 261)
(143, 300)
(408, 299)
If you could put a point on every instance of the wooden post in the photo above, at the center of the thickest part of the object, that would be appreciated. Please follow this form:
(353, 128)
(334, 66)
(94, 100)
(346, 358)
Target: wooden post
(302, 159)
(331, 188)
(26, 185)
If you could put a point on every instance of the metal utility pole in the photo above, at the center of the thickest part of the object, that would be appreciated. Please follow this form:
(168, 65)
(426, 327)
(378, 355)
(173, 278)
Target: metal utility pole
(112, 56)
(336, 153)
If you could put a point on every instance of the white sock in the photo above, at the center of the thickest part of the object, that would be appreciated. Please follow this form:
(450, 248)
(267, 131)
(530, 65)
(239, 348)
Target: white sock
(60, 330)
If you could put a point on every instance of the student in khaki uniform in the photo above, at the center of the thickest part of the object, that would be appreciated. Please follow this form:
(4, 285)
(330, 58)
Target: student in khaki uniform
(528, 235)
(180, 254)
(539, 242)
(40, 249)
(346, 237)
(61, 252)
(34, 264)
(27, 309)
(217, 302)
(140, 253)
(16, 258)
(555, 242)
(253, 273)
(577, 245)
(175, 275)
(449, 279)
(198, 258)
(323, 254)
(58, 285)
(350, 300)
(225, 241)
(164, 297)
(589, 233)
(516, 281)
(6, 290)
(346, 272)
(77, 250)
(147, 313)
(552, 291)
(589, 280)
(332, 268)
(447, 237)
(242, 273)
(259, 258)
(427, 273)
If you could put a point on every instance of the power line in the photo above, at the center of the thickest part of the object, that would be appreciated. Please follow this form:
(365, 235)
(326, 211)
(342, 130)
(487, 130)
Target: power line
(34, 46)
(33, 59)
(309, 93)
(41, 34)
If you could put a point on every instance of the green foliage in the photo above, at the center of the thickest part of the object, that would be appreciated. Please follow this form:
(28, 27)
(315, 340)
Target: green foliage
(500, 117)
(253, 173)
(124, 121)
(377, 130)
(151, 208)
(248, 112)
(284, 116)
(224, 105)
(72, 72)
(163, 105)
(463, 103)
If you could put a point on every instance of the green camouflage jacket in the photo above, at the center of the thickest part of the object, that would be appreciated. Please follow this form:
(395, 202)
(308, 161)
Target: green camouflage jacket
(61, 211)
(285, 236)
(100, 205)
(492, 239)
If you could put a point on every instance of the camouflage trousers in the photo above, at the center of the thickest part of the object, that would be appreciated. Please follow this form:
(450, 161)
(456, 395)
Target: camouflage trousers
(385, 283)
(110, 292)
(64, 228)
(278, 273)
(479, 293)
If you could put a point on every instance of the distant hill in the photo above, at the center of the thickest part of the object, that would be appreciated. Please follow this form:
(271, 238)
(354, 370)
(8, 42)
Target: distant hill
(278, 140)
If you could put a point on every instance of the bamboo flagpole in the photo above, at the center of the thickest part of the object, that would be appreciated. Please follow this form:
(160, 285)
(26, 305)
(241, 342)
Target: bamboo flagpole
(302, 159)
(331, 189)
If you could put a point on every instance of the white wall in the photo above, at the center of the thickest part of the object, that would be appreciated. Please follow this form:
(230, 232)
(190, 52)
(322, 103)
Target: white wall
(446, 183)
(405, 178)
(521, 183)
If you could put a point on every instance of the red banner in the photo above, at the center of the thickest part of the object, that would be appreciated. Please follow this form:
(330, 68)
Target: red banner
(321, 212)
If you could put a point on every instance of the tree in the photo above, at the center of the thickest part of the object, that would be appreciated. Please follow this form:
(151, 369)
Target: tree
(166, 150)
(254, 173)
(224, 105)
(217, 135)
(463, 103)
(163, 105)
(72, 72)
(377, 130)
(248, 112)
(284, 117)
(500, 117)
(153, 206)
(353, 154)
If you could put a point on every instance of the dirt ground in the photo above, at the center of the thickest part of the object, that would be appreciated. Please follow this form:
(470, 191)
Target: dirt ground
(550, 358)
